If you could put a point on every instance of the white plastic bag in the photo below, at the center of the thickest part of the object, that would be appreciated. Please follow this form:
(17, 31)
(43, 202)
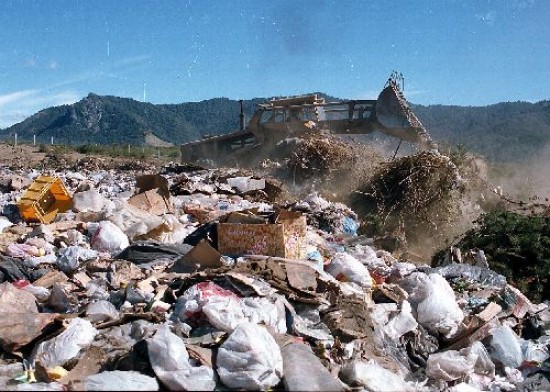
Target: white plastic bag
(250, 359)
(245, 184)
(505, 347)
(367, 256)
(261, 310)
(71, 257)
(439, 312)
(534, 351)
(109, 238)
(402, 323)
(173, 232)
(118, 380)
(373, 377)
(41, 293)
(133, 221)
(483, 366)
(224, 313)
(90, 200)
(347, 268)
(305, 372)
(4, 223)
(221, 307)
(417, 284)
(463, 387)
(170, 362)
(67, 345)
(33, 262)
(225, 310)
(448, 365)
(101, 311)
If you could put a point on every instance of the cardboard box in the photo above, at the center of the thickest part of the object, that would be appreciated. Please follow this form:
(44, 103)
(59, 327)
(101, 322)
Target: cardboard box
(152, 194)
(284, 238)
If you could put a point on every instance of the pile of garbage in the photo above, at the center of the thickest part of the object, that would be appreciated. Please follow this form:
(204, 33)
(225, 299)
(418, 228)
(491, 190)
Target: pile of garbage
(181, 281)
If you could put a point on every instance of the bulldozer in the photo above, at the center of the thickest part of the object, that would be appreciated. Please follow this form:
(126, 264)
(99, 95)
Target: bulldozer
(285, 118)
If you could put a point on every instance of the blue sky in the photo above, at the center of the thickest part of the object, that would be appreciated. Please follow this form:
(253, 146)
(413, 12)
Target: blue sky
(463, 52)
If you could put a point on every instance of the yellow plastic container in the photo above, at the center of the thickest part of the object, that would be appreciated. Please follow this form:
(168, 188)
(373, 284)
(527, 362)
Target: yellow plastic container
(44, 199)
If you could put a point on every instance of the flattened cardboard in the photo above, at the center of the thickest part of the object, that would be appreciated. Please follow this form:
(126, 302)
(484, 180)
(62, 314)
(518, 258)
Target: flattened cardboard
(51, 278)
(200, 257)
(282, 239)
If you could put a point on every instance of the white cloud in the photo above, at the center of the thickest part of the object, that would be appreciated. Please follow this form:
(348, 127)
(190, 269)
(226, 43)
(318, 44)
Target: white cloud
(16, 106)
(16, 96)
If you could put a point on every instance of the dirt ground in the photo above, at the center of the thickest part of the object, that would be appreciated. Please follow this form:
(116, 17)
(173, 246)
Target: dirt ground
(21, 156)
(28, 156)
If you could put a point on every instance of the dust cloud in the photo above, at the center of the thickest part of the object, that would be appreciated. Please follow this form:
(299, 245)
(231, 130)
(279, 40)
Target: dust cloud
(527, 182)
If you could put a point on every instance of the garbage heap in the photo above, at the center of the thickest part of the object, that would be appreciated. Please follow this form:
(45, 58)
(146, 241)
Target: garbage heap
(187, 280)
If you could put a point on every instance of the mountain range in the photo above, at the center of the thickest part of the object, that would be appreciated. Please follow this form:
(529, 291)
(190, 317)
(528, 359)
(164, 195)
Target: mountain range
(500, 132)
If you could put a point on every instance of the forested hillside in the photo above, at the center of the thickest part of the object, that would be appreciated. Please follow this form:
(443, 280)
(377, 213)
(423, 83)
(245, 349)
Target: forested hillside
(501, 132)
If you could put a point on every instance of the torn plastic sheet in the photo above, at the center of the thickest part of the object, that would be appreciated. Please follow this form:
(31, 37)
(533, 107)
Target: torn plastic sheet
(448, 365)
(483, 276)
(402, 323)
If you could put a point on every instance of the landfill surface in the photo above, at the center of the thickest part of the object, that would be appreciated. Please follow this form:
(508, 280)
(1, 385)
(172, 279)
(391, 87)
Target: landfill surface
(184, 278)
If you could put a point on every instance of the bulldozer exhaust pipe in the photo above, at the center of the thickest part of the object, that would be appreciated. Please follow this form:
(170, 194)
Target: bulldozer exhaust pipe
(241, 116)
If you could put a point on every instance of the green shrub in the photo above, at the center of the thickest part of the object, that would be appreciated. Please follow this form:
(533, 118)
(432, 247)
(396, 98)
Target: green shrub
(517, 245)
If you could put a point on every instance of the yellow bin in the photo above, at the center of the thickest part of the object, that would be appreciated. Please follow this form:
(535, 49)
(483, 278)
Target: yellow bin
(44, 199)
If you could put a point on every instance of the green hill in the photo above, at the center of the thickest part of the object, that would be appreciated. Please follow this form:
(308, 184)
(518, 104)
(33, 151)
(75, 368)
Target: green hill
(110, 120)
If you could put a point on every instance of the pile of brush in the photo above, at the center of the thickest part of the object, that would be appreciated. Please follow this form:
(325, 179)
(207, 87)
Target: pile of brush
(321, 156)
(411, 193)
